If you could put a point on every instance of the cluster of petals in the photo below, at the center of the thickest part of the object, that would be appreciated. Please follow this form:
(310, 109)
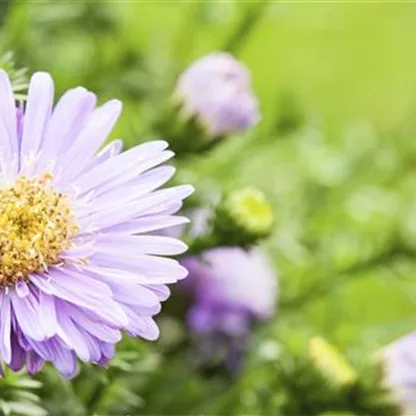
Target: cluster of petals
(114, 275)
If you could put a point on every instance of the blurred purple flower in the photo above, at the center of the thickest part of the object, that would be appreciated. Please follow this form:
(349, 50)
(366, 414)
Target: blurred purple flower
(231, 288)
(399, 364)
(77, 263)
(216, 90)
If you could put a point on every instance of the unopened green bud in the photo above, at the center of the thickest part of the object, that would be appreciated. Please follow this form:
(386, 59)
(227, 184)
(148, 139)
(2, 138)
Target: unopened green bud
(250, 210)
(330, 362)
(243, 217)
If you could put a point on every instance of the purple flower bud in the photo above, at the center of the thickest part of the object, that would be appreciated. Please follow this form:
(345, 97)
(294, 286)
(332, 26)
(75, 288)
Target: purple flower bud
(231, 288)
(399, 364)
(216, 90)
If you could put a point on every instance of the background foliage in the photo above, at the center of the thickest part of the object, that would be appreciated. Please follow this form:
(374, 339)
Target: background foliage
(334, 153)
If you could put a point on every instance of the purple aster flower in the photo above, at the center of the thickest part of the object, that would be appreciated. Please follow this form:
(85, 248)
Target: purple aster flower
(231, 288)
(216, 90)
(77, 265)
(399, 363)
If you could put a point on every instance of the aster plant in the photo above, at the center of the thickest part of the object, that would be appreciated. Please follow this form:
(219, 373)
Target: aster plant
(84, 229)
(79, 261)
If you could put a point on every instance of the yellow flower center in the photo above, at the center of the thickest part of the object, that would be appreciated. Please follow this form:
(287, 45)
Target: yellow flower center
(36, 225)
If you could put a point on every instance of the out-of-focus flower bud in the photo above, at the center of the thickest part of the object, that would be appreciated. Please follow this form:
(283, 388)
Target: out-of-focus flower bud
(18, 76)
(330, 362)
(230, 289)
(398, 361)
(243, 217)
(227, 296)
(212, 99)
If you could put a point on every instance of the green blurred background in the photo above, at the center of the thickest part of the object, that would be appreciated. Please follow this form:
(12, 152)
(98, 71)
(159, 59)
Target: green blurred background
(334, 151)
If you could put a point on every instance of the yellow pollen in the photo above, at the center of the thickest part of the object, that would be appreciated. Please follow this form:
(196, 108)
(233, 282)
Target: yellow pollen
(36, 225)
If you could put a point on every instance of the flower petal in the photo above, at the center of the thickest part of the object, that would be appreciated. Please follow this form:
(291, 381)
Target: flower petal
(47, 314)
(72, 336)
(64, 125)
(94, 327)
(94, 133)
(38, 110)
(142, 326)
(5, 328)
(140, 244)
(154, 203)
(34, 363)
(8, 138)
(26, 313)
(157, 269)
(118, 165)
(147, 224)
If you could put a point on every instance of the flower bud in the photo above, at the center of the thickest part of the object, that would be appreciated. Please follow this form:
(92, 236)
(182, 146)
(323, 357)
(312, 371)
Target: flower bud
(216, 91)
(243, 217)
(230, 289)
(222, 282)
(398, 362)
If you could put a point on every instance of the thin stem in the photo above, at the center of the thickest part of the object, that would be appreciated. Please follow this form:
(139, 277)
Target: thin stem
(243, 31)
(328, 285)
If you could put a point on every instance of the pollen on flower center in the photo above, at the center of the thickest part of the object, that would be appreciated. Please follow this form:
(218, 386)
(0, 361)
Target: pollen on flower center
(36, 224)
